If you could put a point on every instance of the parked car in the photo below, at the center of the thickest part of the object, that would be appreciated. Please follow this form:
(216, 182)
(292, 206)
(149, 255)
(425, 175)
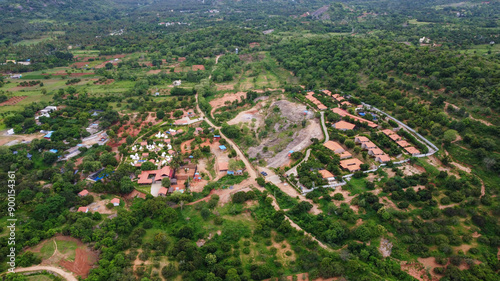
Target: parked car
(264, 174)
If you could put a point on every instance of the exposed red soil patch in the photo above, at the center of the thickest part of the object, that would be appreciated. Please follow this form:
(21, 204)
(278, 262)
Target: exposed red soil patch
(181, 59)
(254, 44)
(154, 71)
(108, 81)
(198, 67)
(82, 264)
(13, 100)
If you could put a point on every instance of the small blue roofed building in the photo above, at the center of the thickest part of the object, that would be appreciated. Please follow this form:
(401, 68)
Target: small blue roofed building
(230, 173)
(216, 137)
(290, 153)
(53, 150)
(48, 135)
(361, 113)
(222, 147)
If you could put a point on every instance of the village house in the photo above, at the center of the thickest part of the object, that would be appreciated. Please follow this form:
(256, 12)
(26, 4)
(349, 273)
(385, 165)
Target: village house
(149, 177)
(388, 132)
(384, 158)
(403, 143)
(334, 146)
(83, 209)
(325, 174)
(115, 202)
(368, 145)
(343, 126)
(412, 150)
(163, 191)
(394, 137)
(352, 165)
(361, 139)
(345, 155)
(314, 100)
(344, 113)
(223, 166)
(83, 193)
(375, 151)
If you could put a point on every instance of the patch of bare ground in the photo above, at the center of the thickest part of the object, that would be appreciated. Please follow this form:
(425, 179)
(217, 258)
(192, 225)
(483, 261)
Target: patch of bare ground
(222, 87)
(228, 98)
(410, 170)
(388, 202)
(347, 198)
(385, 247)
(287, 133)
(416, 270)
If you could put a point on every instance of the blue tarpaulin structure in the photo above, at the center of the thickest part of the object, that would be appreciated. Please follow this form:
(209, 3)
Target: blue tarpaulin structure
(53, 150)
(222, 147)
(361, 113)
(48, 135)
(230, 172)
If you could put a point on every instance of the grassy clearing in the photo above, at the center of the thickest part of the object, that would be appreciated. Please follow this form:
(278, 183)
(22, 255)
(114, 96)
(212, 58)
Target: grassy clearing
(356, 186)
(40, 277)
(415, 21)
(67, 248)
(34, 41)
(483, 49)
(47, 250)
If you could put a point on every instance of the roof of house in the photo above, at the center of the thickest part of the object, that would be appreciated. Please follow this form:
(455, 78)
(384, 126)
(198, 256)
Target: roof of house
(314, 100)
(369, 144)
(144, 143)
(163, 190)
(83, 192)
(376, 151)
(362, 139)
(403, 143)
(144, 178)
(326, 174)
(388, 132)
(351, 164)
(327, 92)
(223, 166)
(145, 154)
(83, 209)
(412, 150)
(115, 201)
(383, 158)
(394, 137)
(333, 146)
(345, 154)
(343, 125)
(343, 113)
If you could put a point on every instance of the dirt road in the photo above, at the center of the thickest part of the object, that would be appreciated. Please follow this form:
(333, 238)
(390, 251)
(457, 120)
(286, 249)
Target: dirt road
(65, 275)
